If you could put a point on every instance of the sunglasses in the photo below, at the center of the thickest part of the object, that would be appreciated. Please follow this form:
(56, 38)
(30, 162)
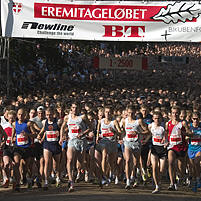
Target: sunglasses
(195, 118)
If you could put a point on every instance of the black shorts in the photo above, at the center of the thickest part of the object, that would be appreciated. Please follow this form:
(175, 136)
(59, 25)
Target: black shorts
(159, 151)
(120, 150)
(145, 150)
(37, 150)
(55, 148)
(8, 151)
(23, 152)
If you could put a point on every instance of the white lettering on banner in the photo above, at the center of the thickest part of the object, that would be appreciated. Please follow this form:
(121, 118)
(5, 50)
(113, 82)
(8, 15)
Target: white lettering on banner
(44, 11)
(88, 13)
(58, 12)
(105, 13)
(112, 20)
(94, 13)
(66, 13)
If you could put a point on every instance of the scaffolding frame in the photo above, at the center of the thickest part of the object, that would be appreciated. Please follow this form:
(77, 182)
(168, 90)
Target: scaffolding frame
(5, 57)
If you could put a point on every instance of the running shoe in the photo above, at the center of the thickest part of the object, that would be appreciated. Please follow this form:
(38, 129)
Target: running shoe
(58, 183)
(80, 177)
(194, 186)
(144, 178)
(135, 184)
(172, 187)
(198, 184)
(189, 182)
(11, 180)
(116, 180)
(24, 181)
(104, 181)
(112, 177)
(155, 191)
(100, 185)
(52, 180)
(127, 187)
(109, 181)
(148, 172)
(91, 179)
(86, 176)
(5, 184)
(38, 183)
(29, 183)
(70, 187)
(29, 186)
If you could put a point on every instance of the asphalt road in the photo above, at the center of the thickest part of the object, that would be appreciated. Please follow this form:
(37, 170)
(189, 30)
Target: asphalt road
(89, 192)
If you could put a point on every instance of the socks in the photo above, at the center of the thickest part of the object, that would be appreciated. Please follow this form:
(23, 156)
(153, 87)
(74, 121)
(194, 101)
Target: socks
(46, 181)
(128, 182)
(57, 179)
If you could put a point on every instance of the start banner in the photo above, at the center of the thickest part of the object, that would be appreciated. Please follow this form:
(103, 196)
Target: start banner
(102, 20)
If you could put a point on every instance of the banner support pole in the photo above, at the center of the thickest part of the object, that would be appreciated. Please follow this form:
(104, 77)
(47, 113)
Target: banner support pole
(8, 67)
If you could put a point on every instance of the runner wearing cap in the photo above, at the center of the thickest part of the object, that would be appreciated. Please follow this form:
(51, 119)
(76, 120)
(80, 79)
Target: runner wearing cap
(38, 146)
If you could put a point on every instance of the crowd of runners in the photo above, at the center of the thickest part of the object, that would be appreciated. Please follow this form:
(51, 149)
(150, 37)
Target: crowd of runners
(84, 124)
(105, 136)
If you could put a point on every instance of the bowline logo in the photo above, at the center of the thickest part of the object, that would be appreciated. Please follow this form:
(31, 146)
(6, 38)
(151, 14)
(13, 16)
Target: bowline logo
(48, 27)
(17, 7)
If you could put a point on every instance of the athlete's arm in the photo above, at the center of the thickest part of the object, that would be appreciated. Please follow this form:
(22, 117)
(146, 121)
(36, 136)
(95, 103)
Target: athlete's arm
(62, 130)
(35, 126)
(188, 132)
(13, 132)
(144, 127)
(32, 129)
(86, 121)
(119, 131)
(3, 133)
(123, 126)
(166, 134)
(3, 136)
(98, 129)
(41, 135)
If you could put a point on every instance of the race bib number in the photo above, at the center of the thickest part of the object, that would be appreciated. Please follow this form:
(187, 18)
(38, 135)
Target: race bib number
(51, 136)
(22, 140)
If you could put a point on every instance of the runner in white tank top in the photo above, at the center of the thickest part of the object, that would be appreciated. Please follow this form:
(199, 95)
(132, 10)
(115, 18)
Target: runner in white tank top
(106, 144)
(158, 151)
(74, 127)
(76, 143)
(133, 128)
